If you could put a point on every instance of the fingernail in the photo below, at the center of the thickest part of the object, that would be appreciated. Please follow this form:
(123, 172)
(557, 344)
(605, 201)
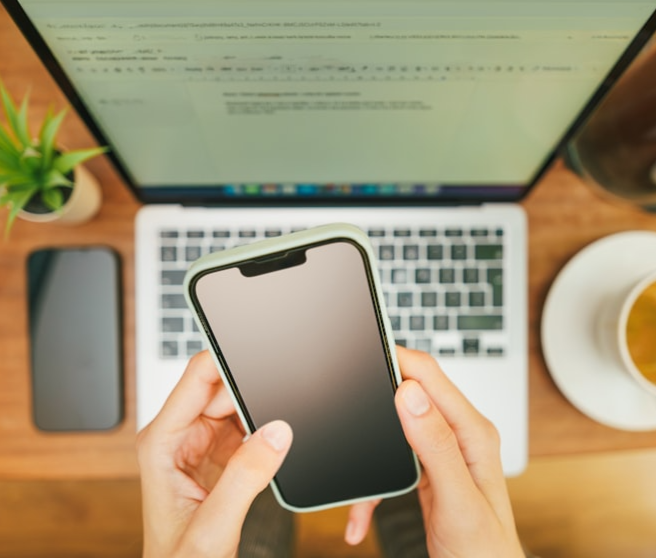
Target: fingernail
(277, 434)
(415, 399)
(352, 536)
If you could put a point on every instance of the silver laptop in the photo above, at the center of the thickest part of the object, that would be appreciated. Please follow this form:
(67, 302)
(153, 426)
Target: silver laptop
(423, 123)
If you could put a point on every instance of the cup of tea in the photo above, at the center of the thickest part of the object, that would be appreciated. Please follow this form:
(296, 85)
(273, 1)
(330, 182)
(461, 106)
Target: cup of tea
(635, 332)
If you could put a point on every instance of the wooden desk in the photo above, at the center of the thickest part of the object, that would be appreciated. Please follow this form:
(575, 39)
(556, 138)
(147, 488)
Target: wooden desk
(564, 216)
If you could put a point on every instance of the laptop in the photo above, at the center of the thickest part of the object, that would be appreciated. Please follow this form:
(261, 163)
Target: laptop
(424, 123)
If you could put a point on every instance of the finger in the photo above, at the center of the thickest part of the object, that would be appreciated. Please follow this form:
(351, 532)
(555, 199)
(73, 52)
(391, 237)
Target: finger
(221, 405)
(219, 519)
(196, 389)
(359, 521)
(435, 443)
(477, 437)
(447, 459)
(423, 368)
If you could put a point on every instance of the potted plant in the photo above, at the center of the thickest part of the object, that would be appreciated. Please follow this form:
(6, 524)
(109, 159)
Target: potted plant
(39, 181)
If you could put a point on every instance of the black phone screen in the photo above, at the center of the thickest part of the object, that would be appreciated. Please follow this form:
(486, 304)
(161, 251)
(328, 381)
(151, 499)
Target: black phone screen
(303, 344)
(75, 338)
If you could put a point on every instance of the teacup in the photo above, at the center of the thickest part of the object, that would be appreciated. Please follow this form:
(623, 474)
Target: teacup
(627, 330)
(636, 333)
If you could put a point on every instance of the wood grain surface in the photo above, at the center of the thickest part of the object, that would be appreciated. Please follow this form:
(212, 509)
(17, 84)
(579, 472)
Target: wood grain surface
(564, 215)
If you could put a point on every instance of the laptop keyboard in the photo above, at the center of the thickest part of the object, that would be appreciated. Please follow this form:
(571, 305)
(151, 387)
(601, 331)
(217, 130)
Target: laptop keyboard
(443, 287)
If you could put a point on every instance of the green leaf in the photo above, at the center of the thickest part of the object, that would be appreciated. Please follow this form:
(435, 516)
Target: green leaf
(22, 128)
(8, 161)
(53, 199)
(54, 178)
(17, 204)
(17, 118)
(31, 161)
(21, 188)
(17, 179)
(47, 135)
(7, 144)
(66, 162)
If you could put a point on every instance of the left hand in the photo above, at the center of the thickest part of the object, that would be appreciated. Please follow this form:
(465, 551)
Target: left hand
(198, 477)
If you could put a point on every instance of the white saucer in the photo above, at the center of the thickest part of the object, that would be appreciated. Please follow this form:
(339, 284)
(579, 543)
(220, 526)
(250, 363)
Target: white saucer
(592, 381)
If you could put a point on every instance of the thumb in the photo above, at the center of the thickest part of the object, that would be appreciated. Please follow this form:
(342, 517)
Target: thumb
(218, 521)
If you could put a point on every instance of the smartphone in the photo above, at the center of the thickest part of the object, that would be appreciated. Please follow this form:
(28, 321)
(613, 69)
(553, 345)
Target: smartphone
(75, 338)
(298, 329)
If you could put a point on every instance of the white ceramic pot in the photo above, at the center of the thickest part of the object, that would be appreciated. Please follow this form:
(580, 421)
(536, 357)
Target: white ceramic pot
(84, 203)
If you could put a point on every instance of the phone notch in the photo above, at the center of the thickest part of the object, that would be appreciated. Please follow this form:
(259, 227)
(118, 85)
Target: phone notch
(277, 262)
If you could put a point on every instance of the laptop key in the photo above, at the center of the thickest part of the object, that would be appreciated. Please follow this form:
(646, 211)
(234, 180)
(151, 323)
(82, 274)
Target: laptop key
(399, 276)
(417, 323)
(169, 349)
(470, 275)
(404, 300)
(488, 251)
(441, 323)
(470, 346)
(459, 252)
(172, 277)
(173, 301)
(192, 253)
(447, 275)
(386, 252)
(173, 325)
(422, 276)
(495, 278)
(429, 299)
(480, 322)
(411, 252)
(194, 347)
(452, 299)
(476, 299)
(435, 252)
(168, 253)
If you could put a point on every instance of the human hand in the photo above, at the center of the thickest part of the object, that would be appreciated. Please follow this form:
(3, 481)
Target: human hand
(198, 477)
(462, 492)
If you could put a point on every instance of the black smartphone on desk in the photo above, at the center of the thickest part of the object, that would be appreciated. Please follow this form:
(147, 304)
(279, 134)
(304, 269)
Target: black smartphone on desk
(74, 301)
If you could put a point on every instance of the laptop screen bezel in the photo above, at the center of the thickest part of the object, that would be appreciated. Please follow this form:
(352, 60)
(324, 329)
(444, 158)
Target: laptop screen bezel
(210, 195)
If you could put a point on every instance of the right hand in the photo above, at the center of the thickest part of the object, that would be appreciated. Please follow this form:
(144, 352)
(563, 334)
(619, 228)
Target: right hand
(462, 492)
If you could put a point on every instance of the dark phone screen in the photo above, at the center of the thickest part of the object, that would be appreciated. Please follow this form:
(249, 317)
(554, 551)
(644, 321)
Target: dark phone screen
(303, 344)
(74, 316)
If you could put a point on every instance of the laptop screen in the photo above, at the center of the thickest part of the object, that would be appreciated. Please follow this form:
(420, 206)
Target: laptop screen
(432, 100)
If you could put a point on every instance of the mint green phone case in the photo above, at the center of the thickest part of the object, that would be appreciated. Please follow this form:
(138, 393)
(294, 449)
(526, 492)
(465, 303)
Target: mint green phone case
(216, 307)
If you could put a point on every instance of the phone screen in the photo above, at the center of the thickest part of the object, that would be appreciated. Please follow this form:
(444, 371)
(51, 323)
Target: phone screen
(302, 342)
(75, 337)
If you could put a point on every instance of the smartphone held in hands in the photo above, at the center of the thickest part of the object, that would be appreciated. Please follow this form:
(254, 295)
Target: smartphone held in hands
(298, 329)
